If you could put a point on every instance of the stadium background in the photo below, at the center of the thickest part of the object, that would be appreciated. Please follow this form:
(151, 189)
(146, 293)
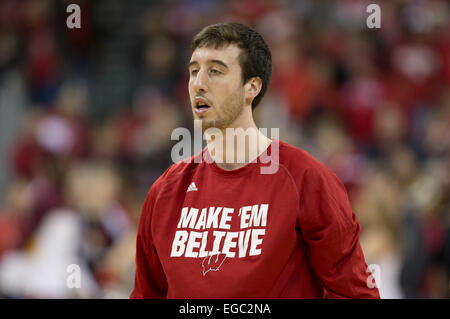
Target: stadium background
(86, 116)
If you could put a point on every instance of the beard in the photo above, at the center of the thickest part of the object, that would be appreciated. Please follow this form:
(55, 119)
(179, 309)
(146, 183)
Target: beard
(224, 115)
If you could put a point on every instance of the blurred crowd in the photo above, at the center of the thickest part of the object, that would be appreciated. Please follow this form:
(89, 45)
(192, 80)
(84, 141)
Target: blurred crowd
(89, 113)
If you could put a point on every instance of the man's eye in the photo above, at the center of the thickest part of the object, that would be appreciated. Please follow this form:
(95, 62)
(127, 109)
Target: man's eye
(213, 71)
(194, 72)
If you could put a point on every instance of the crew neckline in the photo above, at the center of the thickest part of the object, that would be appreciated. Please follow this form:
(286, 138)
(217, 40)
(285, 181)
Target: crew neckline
(256, 163)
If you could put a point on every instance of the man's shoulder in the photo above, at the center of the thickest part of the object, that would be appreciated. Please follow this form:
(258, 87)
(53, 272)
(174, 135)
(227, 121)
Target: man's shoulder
(176, 171)
(298, 160)
(302, 167)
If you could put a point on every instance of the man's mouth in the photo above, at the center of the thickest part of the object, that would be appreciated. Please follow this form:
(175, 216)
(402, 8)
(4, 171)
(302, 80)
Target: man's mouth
(201, 106)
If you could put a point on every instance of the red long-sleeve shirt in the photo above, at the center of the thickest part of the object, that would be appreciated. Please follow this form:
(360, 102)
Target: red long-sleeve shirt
(205, 232)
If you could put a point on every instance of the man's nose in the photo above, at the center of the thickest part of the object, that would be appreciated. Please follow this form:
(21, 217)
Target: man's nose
(200, 82)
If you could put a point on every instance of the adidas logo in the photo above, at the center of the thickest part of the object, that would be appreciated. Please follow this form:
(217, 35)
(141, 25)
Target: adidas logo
(192, 187)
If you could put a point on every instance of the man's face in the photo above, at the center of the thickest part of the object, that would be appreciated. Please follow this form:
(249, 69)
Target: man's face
(215, 86)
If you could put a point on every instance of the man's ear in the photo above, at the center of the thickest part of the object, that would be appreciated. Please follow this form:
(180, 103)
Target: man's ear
(252, 89)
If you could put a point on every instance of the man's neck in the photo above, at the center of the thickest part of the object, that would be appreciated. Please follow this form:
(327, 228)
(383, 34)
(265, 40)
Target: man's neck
(236, 147)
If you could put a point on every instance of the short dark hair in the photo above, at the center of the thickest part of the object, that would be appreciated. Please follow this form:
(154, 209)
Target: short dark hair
(255, 58)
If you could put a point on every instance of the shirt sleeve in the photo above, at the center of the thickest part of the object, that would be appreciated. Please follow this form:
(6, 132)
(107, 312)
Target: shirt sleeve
(331, 232)
(150, 281)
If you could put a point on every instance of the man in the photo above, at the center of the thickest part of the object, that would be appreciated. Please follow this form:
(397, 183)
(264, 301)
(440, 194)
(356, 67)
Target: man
(218, 228)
